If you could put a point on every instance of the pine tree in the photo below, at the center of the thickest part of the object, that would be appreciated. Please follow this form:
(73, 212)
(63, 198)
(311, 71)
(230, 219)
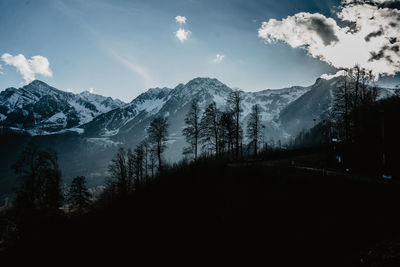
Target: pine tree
(78, 194)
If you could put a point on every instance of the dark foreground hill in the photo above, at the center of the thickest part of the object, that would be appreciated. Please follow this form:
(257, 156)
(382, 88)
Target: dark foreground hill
(277, 215)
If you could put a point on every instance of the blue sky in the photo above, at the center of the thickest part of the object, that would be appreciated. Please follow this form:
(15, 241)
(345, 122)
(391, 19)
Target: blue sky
(121, 48)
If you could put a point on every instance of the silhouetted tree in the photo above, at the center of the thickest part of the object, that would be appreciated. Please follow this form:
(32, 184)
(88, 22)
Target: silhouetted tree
(254, 127)
(192, 129)
(119, 172)
(138, 163)
(209, 126)
(130, 162)
(52, 196)
(146, 155)
(28, 168)
(227, 132)
(234, 103)
(158, 132)
(352, 97)
(340, 113)
(152, 160)
(38, 169)
(78, 194)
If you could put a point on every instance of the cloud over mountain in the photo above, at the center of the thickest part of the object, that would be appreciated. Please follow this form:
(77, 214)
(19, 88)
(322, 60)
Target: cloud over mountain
(368, 34)
(28, 68)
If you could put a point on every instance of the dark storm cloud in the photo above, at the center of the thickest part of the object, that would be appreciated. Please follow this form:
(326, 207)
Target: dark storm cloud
(324, 30)
(373, 34)
(390, 4)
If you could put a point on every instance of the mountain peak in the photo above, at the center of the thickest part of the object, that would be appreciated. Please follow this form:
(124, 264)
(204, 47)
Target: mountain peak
(39, 108)
(204, 80)
(158, 90)
(41, 87)
(38, 83)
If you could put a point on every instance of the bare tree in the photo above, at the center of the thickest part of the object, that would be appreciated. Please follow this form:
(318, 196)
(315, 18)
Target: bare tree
(192, 129)
(38, 169)
(146, 155)
(227, 132)
(340, 113)
(351, 98)
(130, 168)
(234, 103)
(138, 163)
(209, 126)
(51, 194)
(152, 160)
(254, 127)
(119, 172)
(158, 132)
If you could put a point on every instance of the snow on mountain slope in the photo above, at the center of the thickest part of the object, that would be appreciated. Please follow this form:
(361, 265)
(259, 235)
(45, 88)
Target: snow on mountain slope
(110, 123)
(306, 110)
(128, 123)
(271, 101)
(41, 109)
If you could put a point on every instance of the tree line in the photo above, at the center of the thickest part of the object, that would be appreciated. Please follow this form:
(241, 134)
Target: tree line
(220, 132)
(212, 133)
(40, 187)
(352, 98)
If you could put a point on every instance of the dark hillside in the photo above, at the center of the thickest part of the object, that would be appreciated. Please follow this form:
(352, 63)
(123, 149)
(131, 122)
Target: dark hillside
(279, 215)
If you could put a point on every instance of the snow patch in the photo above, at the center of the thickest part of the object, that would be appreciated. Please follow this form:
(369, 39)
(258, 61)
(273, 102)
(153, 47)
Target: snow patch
(105, 142)
(108, 133)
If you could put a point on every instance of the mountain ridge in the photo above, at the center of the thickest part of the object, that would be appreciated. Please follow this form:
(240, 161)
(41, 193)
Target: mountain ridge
(41, 109)
(87, 148)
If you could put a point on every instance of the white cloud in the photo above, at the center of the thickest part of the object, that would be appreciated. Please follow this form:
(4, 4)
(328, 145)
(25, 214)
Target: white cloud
(330, 76)
(369, 38)
(180, 19)
(91, 90)
(182, 35)
(218, 58)
(1, 67)
(28, 68)
(367, 1)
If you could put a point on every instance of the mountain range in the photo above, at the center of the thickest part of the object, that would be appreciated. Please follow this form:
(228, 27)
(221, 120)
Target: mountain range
(86, 129)
(40, 109)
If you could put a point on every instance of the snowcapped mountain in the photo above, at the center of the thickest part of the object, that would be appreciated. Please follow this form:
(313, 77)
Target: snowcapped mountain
(306, 110)
(41, 109)
(86, 129)
(175, 103)
(127, 124)
(90, 128)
